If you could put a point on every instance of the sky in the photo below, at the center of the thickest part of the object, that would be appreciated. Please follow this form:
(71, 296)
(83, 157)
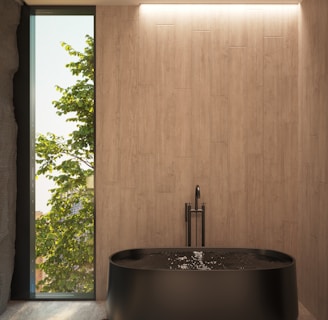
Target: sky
(50, 71)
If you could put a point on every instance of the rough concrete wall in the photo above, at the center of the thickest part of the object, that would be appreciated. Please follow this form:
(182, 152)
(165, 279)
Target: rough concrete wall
(9, 19)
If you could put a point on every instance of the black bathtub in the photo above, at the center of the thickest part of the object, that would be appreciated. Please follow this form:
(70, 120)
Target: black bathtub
(202, 284)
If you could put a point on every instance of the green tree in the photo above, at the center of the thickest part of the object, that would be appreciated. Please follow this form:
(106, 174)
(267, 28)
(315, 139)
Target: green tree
(65, 235)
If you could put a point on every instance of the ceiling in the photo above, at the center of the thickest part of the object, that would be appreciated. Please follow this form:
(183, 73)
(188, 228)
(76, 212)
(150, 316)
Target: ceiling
(137, 2)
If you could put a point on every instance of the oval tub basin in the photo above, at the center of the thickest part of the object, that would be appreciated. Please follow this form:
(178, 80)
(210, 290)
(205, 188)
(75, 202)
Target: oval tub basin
(202, 284)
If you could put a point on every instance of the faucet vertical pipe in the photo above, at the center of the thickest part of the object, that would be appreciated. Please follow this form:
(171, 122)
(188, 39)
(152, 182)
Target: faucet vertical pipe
(189, 225)
(203, 225)
(188, 212)
(186, 221)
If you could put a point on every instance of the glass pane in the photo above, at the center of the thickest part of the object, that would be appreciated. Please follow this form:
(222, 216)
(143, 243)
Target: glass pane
(64, 153)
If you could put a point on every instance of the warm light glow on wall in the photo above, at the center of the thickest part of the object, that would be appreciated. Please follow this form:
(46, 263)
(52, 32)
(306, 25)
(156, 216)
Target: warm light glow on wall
(167, 8)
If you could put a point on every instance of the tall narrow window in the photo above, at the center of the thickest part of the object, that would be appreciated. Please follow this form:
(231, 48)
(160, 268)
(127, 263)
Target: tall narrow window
(62, 135)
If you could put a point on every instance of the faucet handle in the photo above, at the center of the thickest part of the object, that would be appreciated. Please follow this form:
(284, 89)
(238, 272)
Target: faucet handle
(197, 192)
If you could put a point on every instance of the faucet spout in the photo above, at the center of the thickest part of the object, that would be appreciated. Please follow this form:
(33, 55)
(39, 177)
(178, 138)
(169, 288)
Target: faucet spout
(197, 196)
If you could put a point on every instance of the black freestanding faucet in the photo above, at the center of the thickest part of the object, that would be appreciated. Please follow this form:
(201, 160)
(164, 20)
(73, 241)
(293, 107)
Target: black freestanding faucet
(189, 211)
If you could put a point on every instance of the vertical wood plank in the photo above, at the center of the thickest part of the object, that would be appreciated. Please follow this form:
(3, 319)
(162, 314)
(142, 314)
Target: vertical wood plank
(183, 142)
(218, 205)
(254, 131)
(147, 49)
(219, 46)
(165, 54)
(238, 32)
(128, 78)
(183, 51)
(273, 139)
(237, 139)
(201, 99)
(146, 119)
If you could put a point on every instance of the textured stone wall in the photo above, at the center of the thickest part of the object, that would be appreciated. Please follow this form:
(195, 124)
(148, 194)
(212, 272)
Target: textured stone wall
(9, 19)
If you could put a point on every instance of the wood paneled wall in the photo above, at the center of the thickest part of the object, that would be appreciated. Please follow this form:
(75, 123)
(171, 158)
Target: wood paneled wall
(313, 210)
(192, 95)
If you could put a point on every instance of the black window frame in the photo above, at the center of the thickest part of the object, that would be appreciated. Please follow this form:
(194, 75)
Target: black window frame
(23, 280)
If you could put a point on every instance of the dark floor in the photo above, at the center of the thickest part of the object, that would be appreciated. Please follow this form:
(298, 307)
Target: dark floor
(74, 310)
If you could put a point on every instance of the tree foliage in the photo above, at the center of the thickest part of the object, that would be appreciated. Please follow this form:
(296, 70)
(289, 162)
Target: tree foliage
(65, 234)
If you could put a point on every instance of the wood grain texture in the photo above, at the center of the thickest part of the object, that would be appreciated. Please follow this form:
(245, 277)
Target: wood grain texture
(204, 97)
(313, 134)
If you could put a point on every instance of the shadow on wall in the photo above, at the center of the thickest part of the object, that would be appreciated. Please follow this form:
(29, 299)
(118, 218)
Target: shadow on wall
(9, 19)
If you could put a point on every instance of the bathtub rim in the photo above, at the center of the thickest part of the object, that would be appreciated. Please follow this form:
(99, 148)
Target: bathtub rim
(290, 260)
